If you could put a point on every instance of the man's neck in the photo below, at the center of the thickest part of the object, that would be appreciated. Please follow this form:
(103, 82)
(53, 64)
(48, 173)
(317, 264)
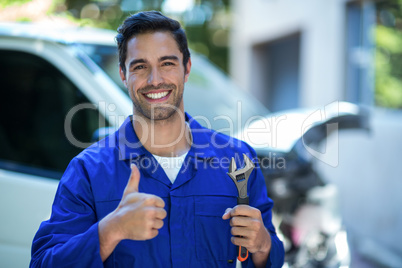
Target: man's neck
(168, 138)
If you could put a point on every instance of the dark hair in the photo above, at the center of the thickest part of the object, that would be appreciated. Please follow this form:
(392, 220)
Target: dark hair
(149, 22)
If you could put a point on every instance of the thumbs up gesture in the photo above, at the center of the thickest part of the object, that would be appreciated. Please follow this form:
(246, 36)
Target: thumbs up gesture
(139, 216)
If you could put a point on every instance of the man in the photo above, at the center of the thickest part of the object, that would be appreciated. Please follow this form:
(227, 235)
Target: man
(118, 203)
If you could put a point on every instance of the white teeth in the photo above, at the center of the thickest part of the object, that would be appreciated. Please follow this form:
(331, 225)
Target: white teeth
(158, 95)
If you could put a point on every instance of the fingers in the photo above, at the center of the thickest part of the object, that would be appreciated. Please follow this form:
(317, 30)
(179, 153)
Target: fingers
(248, 229)
(240, 241)
(156, 213)
(226, 215)
(151, 234)
(241, 221)
(133, 181)
(158, 224)
(153, 200)
(242, 211)
(245, 211)
(139, 222)
(154, 219)
(241, 231)
(147, 234)
(152, 222)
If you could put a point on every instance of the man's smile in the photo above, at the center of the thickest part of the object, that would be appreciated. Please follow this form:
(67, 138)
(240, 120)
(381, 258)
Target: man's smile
(157, 96)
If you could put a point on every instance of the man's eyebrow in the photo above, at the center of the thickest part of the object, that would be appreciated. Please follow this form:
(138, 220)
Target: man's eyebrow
(171, 57)
(134, 62)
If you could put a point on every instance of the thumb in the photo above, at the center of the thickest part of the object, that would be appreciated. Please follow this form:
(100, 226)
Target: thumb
(133, 181)
(227, 215)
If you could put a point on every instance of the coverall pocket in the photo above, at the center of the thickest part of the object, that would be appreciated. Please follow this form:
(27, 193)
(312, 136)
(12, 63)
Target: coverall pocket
(212, 233)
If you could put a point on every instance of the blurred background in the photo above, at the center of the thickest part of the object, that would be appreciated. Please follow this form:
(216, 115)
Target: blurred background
(297, 54)
(337, 49)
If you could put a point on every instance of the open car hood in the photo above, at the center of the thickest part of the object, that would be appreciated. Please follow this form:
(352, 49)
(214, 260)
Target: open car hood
(281, 132)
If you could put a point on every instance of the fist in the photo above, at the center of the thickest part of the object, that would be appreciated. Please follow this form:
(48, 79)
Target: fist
(248, 229)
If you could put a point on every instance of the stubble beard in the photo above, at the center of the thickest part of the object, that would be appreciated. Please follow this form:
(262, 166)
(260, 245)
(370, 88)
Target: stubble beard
(159, 112)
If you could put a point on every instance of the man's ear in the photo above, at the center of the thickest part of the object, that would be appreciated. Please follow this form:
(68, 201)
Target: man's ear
(188, 69)
(122, 76)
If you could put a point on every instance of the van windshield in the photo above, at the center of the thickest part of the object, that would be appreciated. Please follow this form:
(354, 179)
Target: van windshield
(107, 59)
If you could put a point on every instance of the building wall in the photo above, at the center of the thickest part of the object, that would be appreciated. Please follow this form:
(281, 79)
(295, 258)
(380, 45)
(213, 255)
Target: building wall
(321, 27)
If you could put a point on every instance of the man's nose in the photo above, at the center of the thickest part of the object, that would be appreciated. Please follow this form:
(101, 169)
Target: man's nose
(155, 77)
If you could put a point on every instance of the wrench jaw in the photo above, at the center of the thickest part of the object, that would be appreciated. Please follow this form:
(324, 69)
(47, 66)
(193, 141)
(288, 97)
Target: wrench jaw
(233, 166)
(232, 169)
(240, 177)
(249, 166)
(247, 169)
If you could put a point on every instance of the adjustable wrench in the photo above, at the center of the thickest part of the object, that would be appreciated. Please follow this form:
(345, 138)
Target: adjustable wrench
(240, 178)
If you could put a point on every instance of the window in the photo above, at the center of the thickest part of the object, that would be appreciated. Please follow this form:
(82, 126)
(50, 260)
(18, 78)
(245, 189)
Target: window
(277, 80)
(359, 48)
(35, 100)
(106, 58)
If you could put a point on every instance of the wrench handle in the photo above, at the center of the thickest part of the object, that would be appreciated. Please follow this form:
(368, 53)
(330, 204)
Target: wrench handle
(242, 251)
(242, 200)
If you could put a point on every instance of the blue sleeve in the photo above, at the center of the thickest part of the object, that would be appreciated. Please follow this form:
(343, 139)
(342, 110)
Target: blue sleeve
(259, 199)
(70, 237)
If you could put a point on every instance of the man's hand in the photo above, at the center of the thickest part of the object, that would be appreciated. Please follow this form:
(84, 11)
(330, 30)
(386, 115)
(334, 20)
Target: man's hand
(248, 231)
(139, 216)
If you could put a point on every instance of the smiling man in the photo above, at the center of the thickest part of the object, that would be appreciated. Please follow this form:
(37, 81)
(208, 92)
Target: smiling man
(155, 75)
(156, 193)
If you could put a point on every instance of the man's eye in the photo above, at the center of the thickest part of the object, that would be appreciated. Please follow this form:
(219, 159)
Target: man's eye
(139, 67)
(168, 63)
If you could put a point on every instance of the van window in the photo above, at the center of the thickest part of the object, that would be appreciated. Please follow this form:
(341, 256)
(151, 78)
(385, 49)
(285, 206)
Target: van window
(36, 98)
(105, 57)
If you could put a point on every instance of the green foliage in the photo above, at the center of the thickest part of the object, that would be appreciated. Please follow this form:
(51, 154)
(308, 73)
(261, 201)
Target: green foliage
(388, 57)
(208, 37)
(200, 40)
(200, 36)
(23, 19)
(6, 3)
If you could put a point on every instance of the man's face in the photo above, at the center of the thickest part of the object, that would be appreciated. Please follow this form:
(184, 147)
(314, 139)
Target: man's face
(155, 75)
